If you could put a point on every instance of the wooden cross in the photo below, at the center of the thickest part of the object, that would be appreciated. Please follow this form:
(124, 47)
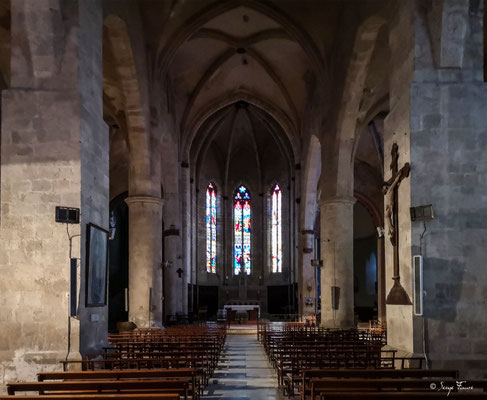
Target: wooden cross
(179, 271)
(397, 295)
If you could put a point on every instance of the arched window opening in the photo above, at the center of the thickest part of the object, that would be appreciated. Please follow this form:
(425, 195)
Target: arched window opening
(211, 229)
(242, 220)
(276, 229)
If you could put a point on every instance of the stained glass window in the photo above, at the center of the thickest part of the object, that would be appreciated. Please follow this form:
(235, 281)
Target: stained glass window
(242, 221)
(211, 229)
(276, 229)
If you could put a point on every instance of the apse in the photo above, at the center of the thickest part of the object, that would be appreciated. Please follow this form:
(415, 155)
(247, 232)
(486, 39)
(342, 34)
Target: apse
(243, 197)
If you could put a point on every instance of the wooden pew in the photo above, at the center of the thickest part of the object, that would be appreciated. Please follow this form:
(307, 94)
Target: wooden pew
(291, 364)
(323, 386)
(195, 388)
(117, 375)
(402, 396)
(318, 374)
(169, 362)
(98, 396)
(179, 386)
(201, 368)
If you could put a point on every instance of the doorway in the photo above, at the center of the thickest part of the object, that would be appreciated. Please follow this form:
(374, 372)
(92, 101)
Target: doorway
(118, 264)
(364, 265)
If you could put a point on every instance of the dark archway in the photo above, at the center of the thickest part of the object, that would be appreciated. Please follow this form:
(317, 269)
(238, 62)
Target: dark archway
(118, 262)
(365, 259)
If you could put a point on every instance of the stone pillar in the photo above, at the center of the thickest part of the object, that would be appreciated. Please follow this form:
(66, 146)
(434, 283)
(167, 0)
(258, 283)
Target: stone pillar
(172, 254)
(381, 278)
(337, 255)
(145, 272)
(437, 118)
(54, 146)
(185, 192)
(307, 274)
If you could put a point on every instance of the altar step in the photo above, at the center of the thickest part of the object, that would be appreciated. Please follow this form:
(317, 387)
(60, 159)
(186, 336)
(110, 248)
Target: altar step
(242, 329)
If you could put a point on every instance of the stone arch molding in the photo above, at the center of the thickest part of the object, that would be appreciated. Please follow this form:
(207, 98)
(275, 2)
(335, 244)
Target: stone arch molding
(240, 95)
(209, 132)
(166, 53)
(118, 36)
(356, 75)
(340, 159)
(371, 208)
(312, 174)
(220, 61)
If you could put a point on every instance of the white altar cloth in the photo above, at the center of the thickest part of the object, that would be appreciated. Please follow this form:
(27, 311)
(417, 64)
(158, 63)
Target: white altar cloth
(242, 307)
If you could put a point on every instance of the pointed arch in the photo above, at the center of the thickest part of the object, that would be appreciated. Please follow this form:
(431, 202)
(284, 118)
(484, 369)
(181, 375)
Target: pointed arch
(311, 179)
(276, 228)
(231, 97)
(242, 215)
(338, 155)
(134, 101)
(211, 228)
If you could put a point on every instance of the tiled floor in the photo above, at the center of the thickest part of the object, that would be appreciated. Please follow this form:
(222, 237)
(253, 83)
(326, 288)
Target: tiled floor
(243, 373)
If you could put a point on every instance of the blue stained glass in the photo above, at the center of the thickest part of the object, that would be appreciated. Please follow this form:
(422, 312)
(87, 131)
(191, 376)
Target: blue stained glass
(211, 229)
(246, 237)
(276, 230)
(242, 231)
(238, 225)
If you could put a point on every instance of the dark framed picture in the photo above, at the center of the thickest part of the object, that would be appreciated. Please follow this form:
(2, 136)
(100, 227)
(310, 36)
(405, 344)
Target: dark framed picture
(96, 266)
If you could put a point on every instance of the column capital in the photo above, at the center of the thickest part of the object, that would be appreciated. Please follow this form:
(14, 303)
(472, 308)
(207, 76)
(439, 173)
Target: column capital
(144, 199)
(337, 200)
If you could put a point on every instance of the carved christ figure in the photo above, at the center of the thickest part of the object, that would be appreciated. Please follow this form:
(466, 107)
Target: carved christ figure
(388, 189)
(397, 295)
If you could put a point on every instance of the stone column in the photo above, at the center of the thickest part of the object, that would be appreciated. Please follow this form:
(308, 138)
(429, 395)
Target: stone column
(185, 192)
(337, 255)
(381, 287)
(145, 272)
(307, 274)
(172, 253)
(54, 146)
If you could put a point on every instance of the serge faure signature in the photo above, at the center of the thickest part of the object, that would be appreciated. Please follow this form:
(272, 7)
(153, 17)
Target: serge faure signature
(459, 386)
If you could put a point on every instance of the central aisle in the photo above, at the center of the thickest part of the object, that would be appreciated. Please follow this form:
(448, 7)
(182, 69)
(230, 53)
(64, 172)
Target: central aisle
(243, 372)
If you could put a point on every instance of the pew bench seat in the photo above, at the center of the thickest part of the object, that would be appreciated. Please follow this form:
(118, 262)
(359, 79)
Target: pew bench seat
(320, 387)
(196, 386)
(401, 395)
(309, 375)
(179, 386)
(97, 396)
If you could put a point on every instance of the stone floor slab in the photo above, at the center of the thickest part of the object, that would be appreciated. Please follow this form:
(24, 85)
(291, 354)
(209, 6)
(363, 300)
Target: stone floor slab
(243, 373)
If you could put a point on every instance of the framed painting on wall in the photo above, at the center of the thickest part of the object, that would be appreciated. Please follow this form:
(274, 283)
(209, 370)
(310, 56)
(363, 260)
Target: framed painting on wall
(96, 266)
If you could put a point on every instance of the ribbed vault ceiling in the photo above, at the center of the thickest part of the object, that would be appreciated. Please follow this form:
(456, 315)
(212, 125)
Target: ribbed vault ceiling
(236, 129)
(241, 51)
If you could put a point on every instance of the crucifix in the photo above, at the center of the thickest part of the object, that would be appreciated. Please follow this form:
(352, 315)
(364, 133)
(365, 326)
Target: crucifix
(179, 271)
(397, 295)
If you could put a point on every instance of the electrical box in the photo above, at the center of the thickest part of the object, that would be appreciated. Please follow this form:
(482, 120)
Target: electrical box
(67, 215)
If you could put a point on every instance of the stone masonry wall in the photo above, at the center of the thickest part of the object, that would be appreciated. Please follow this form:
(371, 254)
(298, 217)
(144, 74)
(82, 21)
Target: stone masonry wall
(54, 152)
(438, 108)
(448, 143)
(95, 195)
(40, 170)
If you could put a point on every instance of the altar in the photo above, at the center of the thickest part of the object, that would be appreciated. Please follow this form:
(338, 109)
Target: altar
(253, 310)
